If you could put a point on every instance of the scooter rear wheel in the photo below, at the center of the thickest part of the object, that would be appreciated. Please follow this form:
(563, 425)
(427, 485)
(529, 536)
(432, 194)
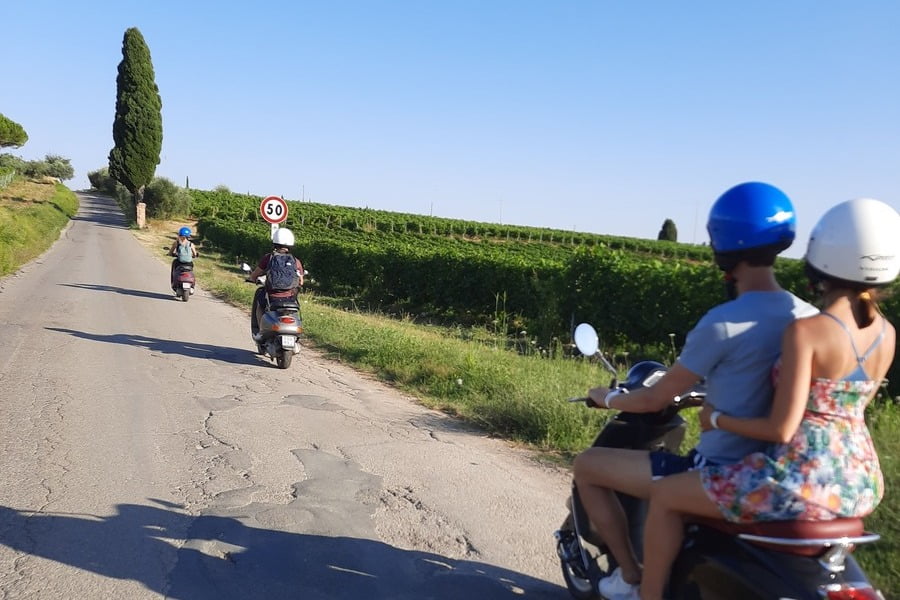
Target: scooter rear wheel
(283, 359)
(185, 294)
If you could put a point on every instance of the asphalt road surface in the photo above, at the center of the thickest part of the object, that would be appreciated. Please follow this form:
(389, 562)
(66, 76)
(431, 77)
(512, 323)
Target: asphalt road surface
(148, 452)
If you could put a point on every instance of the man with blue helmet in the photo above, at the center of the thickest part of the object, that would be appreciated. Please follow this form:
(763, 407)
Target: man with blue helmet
(184, 252)
(733, 347)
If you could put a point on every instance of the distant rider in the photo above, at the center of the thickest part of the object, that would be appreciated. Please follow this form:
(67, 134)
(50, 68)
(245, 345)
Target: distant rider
(284, 276)
(183, 250)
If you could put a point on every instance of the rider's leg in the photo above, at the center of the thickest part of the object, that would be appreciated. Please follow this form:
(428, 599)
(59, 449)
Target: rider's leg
(258, 301)
(670, 499)
(599, 473)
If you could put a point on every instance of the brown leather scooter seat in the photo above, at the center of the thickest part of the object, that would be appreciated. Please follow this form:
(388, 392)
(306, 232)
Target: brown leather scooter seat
(810, 538)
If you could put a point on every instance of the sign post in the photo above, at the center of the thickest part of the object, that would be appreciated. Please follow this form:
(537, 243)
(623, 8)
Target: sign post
(274, 210)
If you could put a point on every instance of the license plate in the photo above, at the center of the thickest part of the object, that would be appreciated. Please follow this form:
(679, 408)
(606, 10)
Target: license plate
(288, 341)
(185, 285)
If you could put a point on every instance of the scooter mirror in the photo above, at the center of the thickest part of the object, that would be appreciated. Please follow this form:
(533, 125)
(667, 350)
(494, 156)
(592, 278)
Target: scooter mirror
(246, 268)
(586, 339)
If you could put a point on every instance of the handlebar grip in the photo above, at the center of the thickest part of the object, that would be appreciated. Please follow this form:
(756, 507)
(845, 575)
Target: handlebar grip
(585, 400)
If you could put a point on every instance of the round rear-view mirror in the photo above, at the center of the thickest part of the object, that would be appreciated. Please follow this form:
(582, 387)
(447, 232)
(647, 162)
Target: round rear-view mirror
(586, 339)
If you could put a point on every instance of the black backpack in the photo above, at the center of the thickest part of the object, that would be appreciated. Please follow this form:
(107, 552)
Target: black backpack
(281, 273)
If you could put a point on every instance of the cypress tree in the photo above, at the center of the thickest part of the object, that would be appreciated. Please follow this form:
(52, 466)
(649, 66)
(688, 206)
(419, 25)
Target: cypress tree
(668, 231)
(137, 128)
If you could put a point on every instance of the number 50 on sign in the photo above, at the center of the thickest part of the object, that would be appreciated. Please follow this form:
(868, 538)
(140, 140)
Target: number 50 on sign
(273, 209)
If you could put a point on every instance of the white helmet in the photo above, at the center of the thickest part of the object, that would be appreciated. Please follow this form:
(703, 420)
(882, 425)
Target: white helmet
(857, 241)
(283, 237)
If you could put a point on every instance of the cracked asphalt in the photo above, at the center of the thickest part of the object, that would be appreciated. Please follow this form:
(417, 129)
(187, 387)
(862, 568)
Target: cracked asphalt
(148, 452)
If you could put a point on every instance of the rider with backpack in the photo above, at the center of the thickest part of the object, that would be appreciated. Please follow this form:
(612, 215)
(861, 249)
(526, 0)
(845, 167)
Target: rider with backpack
(284, 276)
(183, 250)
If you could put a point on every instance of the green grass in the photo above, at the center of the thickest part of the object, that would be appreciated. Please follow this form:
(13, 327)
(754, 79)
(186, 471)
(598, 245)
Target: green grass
(881, 560)
(31, 217)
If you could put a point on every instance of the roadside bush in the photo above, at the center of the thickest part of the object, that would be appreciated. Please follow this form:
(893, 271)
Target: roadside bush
(9, 161)
(101, 181)
(6, 176)
(57, 166)
(165, 200)
(52, 166)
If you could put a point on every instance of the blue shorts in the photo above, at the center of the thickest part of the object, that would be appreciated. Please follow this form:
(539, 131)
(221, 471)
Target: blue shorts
(664, 463)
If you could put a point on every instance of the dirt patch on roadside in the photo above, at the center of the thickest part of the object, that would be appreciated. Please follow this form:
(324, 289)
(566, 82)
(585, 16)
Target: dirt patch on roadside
(22, 193)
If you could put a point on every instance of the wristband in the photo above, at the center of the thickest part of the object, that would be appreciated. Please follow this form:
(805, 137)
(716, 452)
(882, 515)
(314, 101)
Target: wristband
(613, 394)
(714, 418)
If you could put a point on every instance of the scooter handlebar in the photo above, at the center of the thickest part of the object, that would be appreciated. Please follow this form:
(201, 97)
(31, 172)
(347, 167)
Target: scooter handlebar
(584, 399)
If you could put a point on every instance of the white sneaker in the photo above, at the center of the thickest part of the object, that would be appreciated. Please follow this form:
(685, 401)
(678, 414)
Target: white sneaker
(616, 588)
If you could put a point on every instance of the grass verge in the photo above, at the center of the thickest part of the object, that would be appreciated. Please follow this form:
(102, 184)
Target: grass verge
(31, 217)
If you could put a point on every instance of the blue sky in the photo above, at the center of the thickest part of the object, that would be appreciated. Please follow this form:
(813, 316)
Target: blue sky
(598, 116)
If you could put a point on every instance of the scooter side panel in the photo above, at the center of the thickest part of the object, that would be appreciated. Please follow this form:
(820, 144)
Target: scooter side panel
(716, 565)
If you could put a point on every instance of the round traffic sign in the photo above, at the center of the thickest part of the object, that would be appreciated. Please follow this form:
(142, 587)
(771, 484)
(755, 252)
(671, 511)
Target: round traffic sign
(273, 209)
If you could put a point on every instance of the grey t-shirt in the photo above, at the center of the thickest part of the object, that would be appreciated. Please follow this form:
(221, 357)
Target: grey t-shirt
(734, 346)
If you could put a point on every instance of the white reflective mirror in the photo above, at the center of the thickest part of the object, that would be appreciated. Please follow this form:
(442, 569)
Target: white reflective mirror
(586, 339)
(245, 268)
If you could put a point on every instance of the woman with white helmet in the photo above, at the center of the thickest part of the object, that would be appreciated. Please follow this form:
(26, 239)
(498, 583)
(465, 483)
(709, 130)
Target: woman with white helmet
(284, 276)
(822, 464)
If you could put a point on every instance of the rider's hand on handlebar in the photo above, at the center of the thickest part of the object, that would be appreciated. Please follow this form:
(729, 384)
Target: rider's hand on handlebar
(600, 396)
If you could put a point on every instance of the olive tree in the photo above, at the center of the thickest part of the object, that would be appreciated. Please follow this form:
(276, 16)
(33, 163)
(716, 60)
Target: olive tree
(137, 128)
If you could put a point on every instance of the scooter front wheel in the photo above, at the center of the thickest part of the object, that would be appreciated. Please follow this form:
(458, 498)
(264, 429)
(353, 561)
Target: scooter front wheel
(579, 587)
(576, 574)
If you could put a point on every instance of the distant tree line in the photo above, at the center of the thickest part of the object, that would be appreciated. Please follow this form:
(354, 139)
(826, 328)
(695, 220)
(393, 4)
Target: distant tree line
(12, 135)
(51, 166)
(163, 198)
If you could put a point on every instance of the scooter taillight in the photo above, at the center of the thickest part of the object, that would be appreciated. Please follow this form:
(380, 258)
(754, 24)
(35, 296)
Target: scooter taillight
(848, 592)
(286, 319)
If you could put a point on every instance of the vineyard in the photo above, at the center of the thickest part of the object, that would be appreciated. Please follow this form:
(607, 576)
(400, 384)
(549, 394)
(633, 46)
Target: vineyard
(641, 295)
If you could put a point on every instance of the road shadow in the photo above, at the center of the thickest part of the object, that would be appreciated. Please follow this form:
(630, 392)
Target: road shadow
(238, 356)
(221, 558)
(118, 290)
(100, 210)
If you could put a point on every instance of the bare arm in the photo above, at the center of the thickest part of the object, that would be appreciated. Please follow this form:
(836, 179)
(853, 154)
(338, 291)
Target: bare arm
(655, 398)
(791, 394)
(255, 274)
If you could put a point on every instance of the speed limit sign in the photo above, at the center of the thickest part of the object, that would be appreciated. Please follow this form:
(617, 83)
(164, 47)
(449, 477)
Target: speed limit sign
(273, 209)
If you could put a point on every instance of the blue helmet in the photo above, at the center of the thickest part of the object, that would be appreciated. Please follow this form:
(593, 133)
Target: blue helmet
(644, 374)
(185, 232)
(751, 215)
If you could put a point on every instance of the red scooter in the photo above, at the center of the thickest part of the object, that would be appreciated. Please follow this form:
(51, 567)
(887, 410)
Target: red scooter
(183, 280)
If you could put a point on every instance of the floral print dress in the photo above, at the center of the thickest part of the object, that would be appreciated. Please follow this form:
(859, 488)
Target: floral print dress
(828, 470)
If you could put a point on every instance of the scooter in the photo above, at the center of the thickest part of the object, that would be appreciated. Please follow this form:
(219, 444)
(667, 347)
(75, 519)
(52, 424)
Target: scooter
(183, 281)
(798, 560)
(280, 327)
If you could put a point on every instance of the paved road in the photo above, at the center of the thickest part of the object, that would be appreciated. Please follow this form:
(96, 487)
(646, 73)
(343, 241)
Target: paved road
(147, 452)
